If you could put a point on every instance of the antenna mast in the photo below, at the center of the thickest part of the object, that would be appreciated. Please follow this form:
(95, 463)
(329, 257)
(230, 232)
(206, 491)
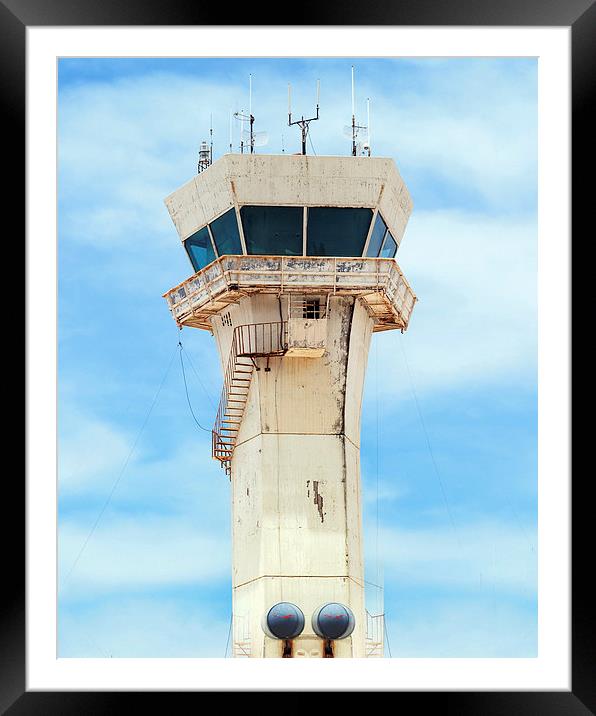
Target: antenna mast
(302, 122)
(368, 125)
(211, 139)
(231, 115)
(355, 127)
(255, 139)
(206, 151)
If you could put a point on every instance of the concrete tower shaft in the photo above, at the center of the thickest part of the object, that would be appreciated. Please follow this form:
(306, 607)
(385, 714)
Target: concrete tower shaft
(294, 271)
(296, 503)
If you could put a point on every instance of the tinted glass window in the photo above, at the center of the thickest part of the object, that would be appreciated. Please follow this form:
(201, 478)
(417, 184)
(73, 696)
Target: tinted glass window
(275, 230)
(377, 236)
(389, 247)
(337, 231)
(225, 234)
(200, 249)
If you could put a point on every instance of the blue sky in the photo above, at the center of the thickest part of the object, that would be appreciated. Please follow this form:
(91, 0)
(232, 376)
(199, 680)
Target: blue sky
(455, 397)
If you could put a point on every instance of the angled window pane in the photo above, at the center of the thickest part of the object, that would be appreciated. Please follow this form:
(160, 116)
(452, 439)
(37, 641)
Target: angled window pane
(225, 234)
(275, 230)
(336, 231)
(377, 236)
(200, 249)
(389, 247)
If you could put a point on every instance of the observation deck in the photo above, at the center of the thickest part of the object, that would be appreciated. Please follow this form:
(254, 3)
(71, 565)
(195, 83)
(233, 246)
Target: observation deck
(379, 282)
(289, 224)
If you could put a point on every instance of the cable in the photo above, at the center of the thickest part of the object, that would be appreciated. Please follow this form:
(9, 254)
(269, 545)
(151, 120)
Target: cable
(192, 365)
(229, 634)
(377, 472)
(311, 145)
(122, 471)
(386, 634)
(186, 390)
(430, 450)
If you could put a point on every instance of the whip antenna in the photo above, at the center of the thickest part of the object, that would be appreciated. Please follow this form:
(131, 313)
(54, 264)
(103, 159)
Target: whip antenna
(250, 137)
(354, 130)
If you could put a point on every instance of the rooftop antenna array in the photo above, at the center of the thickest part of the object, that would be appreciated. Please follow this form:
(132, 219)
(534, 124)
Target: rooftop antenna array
(302, 122)
(249, 137)
(206, 151)
(354, 130)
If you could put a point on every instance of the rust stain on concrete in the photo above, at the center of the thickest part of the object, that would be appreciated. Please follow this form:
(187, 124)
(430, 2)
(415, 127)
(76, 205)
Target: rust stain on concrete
(318, 499)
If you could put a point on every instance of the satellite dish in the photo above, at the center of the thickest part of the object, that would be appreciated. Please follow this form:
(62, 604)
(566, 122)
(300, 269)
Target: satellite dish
(347, 131)
(260, 138)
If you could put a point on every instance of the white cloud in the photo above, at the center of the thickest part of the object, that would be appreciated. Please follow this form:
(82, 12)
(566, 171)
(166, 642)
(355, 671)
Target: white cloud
(387, 492)
(90, 451)
(485, 555)
(476, 318)
(460, 628)
(135, 552)
(166, 523)
(93, 451)
(143, 627)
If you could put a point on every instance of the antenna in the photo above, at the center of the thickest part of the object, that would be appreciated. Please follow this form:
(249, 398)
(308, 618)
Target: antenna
(368, 125)
(355, 128)
(206, 150)
(353, 118)
(211, 139)
(257, 139)
(302, 122)
(204, 157)
(231, 115)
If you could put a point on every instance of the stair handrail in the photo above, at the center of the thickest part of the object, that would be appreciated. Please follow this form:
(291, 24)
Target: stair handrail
(216, 433)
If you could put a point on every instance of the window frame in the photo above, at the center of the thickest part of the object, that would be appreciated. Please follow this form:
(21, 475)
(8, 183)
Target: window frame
(213, 247)
(318, 206)
(276, 206)
(237, 211)
(388, 233)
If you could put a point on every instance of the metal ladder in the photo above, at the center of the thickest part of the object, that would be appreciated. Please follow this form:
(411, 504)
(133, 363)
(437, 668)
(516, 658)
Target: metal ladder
(249, 342)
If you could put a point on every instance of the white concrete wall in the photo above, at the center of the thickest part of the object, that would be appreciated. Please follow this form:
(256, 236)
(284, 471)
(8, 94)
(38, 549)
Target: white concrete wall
(290, 180)
(296, 504)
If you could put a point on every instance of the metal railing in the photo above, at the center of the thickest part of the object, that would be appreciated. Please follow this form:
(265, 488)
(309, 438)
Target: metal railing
(261, 339)
(375, 628)
(250, 341)
(193, 300)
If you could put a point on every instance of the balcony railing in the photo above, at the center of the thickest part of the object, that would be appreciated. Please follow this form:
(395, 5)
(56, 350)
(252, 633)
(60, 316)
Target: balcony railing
(379, 282)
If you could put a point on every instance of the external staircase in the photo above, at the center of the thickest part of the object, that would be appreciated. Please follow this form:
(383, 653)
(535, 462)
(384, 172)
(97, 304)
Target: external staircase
(249, 342)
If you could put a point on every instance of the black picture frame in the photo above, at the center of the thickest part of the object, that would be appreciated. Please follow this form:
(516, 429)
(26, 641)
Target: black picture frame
(580, 15)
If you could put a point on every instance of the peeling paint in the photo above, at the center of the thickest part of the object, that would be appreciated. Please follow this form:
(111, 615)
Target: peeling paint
(318, 500)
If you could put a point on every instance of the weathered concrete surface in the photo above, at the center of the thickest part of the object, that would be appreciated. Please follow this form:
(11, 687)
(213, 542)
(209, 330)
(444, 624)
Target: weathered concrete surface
(290, 180)
(296, 505)
(295, 470)
(379, 282)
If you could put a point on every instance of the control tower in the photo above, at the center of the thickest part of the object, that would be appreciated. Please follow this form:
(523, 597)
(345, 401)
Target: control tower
(294, 270)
